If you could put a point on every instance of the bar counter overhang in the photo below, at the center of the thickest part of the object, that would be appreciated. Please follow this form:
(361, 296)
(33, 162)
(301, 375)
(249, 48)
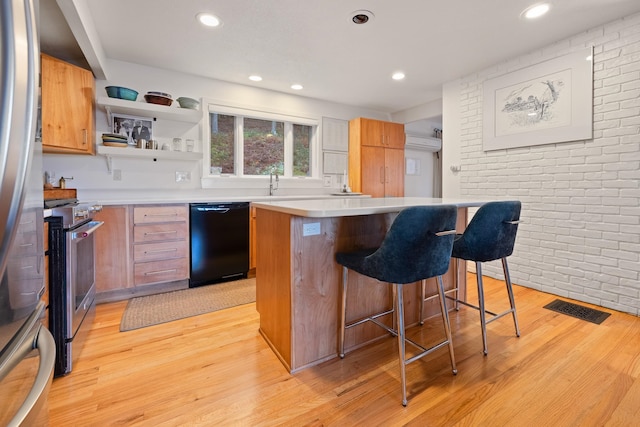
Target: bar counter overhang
(298, 279)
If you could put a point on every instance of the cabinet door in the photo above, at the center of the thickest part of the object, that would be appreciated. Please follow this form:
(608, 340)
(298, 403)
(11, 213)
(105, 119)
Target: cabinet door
(67, 103)
(373, 169)
(393, 172)
(393, 135)
(371, 132)
(113, 269)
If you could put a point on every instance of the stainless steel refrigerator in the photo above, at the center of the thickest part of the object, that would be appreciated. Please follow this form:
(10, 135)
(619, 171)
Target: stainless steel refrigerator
(27, 349)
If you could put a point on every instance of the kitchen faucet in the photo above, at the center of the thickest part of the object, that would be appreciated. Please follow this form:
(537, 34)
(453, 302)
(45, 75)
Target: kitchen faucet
(273, 187)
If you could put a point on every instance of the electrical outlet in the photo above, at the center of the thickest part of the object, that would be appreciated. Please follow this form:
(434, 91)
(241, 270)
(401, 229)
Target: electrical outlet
(311, 229)
(183, 176)
(327, 180)
(117, 174)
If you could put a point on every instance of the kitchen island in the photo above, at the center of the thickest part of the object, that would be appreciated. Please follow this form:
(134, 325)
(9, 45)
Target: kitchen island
(298, 279)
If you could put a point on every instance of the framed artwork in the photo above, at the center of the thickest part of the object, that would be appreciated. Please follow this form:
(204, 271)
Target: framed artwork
(132, 127)
(545, 103)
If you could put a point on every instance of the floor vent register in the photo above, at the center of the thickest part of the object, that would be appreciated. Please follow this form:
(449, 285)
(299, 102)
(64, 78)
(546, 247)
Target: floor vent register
(579, 311)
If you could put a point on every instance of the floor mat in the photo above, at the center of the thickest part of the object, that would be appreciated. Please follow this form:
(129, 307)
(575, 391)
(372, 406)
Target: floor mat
(579, 311)
(161, 308)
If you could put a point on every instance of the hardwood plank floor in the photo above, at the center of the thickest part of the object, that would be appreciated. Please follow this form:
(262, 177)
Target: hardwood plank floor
(215, 369)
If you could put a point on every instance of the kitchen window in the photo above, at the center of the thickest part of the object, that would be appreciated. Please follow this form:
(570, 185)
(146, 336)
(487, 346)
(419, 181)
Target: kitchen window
(249, 143)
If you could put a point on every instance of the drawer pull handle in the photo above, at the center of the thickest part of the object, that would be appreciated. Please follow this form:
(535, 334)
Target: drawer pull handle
(167, 214)
(151, 273)
(26, 245)
(150, 233)
(159, 251)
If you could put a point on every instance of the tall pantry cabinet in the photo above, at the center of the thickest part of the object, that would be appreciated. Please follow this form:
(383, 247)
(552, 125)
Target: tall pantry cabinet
(376, 157)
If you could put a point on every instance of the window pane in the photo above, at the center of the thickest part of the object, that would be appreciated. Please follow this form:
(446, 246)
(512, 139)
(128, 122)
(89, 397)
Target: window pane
(263, 147)
(302, 150)
(222, 142)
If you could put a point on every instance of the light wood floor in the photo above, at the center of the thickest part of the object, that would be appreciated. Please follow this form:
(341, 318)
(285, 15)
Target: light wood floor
(216, 369)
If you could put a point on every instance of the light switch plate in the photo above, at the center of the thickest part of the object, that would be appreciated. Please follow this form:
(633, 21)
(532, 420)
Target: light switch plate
(311, 229)
(327, 181)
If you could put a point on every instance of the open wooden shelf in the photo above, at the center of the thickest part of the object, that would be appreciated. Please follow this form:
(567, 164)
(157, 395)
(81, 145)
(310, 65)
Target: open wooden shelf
(144, 109)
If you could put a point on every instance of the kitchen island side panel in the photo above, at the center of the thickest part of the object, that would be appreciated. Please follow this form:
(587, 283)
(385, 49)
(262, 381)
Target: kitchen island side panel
(273, 281)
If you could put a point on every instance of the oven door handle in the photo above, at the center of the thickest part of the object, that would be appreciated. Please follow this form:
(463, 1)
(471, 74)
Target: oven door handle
(86, 230)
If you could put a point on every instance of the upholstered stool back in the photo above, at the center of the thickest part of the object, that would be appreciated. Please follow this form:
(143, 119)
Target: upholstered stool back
(491, 233)
(412, 250)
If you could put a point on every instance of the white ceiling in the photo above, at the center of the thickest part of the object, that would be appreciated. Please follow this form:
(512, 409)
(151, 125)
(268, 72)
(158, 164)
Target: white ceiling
(314, 43)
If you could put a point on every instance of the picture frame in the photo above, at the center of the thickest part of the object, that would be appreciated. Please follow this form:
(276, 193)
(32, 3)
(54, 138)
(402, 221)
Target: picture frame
(133, 127)
(545, 103)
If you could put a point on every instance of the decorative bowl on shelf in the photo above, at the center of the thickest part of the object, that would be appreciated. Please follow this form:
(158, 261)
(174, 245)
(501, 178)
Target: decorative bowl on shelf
(151, 92)
(158, 99)
(121, 93)
(188, 103)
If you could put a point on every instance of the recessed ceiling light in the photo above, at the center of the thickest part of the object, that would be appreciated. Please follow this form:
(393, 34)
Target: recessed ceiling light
(536, 11)
(296, 86)
(360, 17)
(399, 75)
(255, 78)
(209, 20)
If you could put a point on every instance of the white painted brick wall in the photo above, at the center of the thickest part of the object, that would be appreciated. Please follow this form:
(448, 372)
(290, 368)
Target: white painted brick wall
(581, 200)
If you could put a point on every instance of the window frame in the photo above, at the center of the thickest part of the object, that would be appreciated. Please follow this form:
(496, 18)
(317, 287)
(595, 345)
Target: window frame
(255, 113)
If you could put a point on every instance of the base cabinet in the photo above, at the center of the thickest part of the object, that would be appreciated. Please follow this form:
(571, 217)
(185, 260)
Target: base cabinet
(140, 246)
(161, 243)
(112, 249)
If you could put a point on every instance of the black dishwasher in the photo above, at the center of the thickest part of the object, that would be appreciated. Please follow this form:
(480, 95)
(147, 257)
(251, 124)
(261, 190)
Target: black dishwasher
(219, 242)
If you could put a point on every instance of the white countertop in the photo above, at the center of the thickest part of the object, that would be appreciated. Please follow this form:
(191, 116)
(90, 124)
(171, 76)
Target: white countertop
(346, 206)
(137, 198)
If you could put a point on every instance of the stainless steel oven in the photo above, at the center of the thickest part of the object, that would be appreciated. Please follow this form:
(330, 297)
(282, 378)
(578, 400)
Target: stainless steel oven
(72, 279)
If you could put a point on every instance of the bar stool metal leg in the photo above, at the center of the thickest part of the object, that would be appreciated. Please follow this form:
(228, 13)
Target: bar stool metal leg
(423, 293)
(447, 325)
(512, 300)
(399, 299)
(343, 311)
(481, 309)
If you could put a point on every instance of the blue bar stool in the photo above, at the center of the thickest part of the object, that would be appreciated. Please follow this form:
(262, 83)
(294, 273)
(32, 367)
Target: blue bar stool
(490, 236)
(417, 246)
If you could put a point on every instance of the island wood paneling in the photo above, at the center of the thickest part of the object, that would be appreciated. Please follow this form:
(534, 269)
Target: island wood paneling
(298, 285)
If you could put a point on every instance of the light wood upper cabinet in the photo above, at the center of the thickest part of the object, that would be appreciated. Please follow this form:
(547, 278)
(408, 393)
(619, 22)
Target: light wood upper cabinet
(377, 133)
(376, 157)
(67, 104)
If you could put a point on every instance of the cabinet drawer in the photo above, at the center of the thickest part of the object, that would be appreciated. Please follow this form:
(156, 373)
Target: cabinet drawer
(159, 251)
(27, 222)
(26, 244)
(161, 271)
(159, 232)
(28, 296)
(153, 214)
(28, 267)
